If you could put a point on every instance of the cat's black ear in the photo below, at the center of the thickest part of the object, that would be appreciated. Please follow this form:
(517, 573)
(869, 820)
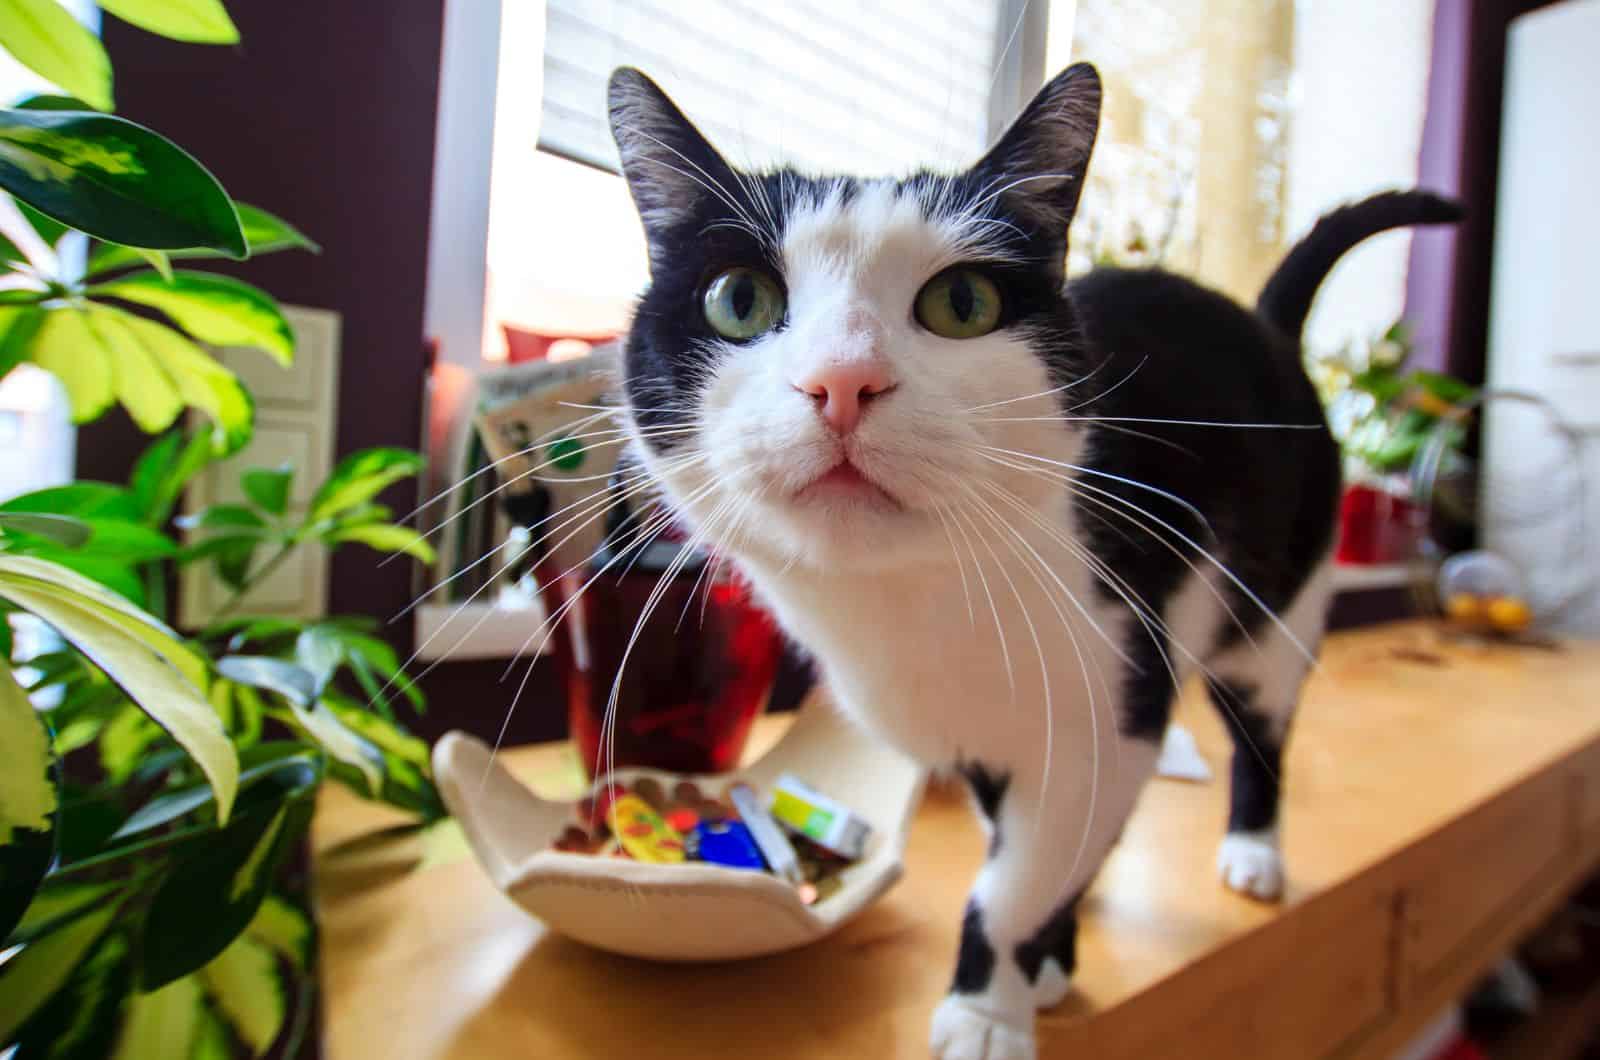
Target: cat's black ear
(1042, 158)
(670, 168)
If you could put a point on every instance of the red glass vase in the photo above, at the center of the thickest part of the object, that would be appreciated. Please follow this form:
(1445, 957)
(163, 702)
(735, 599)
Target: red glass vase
(683, 683)
(1376, 526)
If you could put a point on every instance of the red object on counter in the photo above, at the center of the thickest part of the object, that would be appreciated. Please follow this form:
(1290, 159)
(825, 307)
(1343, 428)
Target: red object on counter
(690, 687)
(1376, 526)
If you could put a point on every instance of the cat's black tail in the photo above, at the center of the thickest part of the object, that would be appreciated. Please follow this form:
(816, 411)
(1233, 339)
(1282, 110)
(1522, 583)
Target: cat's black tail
(1286, 299)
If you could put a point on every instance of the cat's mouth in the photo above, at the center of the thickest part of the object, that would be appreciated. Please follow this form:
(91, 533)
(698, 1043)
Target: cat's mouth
(845, 481)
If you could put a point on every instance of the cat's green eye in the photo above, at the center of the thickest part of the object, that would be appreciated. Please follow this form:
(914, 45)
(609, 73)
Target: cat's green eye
(959, 304)
(743, 303)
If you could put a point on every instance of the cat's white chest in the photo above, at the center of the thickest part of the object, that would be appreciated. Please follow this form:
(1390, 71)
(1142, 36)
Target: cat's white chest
(995, 660)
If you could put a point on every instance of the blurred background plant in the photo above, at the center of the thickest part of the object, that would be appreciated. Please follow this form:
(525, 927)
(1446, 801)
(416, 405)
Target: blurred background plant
(156, 788)
(1382, 412)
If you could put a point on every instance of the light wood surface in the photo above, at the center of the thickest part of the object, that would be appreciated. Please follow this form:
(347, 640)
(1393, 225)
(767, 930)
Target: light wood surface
(1441, 798)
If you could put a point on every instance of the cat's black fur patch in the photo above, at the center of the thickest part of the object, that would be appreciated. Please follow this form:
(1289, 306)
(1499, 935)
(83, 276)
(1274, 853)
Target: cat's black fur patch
(988, 786)
(974, 957)
(1257, 756)
(1057, 937)
(989, 789)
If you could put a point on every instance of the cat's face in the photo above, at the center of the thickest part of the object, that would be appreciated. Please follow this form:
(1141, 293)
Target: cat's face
(831, 372)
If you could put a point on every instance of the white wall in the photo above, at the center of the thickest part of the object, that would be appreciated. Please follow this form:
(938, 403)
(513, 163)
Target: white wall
(1360, 87)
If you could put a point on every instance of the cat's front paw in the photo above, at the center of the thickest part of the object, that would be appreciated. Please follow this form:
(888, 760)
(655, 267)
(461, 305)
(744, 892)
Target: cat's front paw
(962, 1031)
(1250, 863)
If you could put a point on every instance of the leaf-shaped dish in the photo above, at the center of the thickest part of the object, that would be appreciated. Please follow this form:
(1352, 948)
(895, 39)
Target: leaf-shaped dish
(692, 911)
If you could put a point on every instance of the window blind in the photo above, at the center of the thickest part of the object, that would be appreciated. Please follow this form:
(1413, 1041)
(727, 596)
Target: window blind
(871, 88)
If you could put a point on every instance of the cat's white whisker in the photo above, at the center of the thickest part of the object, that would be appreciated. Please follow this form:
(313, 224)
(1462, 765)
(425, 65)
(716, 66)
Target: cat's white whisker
(605, 501)
(999, 627)
(1096, 472)
(607, 727)
(961, 568)
(473, 476)
(999, 523)
(1041, 393)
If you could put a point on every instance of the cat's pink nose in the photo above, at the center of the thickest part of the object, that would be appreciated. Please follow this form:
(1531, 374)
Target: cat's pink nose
(842, 390)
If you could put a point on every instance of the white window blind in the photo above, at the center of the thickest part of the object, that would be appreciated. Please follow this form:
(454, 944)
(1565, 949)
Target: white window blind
(877, 88)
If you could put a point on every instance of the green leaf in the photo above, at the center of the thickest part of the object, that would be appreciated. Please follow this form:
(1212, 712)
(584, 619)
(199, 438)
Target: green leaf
(48, 101)
(142, 383)
(129, 542)
(49, 229)
(209, 898)
(233, 555)
(268, 488)
(29, 801)
(360, 477)
(163, 471)
(288, 765)
(57, 904)
(138, 658)
(200, 380)
(116, 181)
(285, 929)
(67, 348)
(386, 735)
(113, 575)
(371, 652)
(268, 234)
(213, 1041)
(385, 538)
(124, 741)
(84, 500)
(191, 21)
(218, 310)
(19, 325)
(244, 982)
(223, 516)
(83, 1018)
(162, 1023)
(319, 652)
(136, 622)
(293, 683)
(43, 36)
(32, 976)
(264, 233)
(62, 530)
(342, 743)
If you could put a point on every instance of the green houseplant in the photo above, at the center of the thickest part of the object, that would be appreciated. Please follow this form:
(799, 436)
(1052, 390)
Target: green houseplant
(156, 787)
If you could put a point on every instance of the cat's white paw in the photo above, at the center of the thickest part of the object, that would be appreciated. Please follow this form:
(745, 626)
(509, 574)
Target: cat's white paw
(1250, 863)
(962, 1031)
(1051, 988)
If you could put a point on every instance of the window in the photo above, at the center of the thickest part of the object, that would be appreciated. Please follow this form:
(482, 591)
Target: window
(893, 87)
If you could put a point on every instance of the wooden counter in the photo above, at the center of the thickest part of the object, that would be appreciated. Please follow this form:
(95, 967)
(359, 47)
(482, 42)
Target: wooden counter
(1441, 798)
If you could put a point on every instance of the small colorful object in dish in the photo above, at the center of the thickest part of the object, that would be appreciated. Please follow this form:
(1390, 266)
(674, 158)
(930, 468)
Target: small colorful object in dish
(726, 843)
(820, 819)
(776, 849)
(642, 832)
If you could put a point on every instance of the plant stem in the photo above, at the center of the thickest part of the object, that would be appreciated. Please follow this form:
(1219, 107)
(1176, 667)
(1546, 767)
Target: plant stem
(260, 575)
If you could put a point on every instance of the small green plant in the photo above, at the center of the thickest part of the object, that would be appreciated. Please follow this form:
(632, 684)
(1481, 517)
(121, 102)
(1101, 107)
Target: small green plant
(155, 787)
(1381, 412)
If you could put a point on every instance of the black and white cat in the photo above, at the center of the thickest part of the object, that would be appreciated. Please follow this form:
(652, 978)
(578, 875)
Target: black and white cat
(1007, 514)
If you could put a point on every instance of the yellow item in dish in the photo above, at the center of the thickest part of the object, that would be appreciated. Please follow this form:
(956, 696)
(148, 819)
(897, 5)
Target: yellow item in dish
(642, 832)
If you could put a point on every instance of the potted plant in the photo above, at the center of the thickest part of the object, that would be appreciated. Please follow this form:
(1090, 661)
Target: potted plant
(156, 787)
(1383, 414)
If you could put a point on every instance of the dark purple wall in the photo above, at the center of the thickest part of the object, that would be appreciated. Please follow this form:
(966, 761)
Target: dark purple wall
(323, 114)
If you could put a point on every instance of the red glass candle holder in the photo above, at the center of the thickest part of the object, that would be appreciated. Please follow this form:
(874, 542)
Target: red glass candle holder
(684, 683)
(1377, 526)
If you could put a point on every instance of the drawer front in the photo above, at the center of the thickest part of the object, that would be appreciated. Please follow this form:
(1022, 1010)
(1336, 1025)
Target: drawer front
(1459, 882)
